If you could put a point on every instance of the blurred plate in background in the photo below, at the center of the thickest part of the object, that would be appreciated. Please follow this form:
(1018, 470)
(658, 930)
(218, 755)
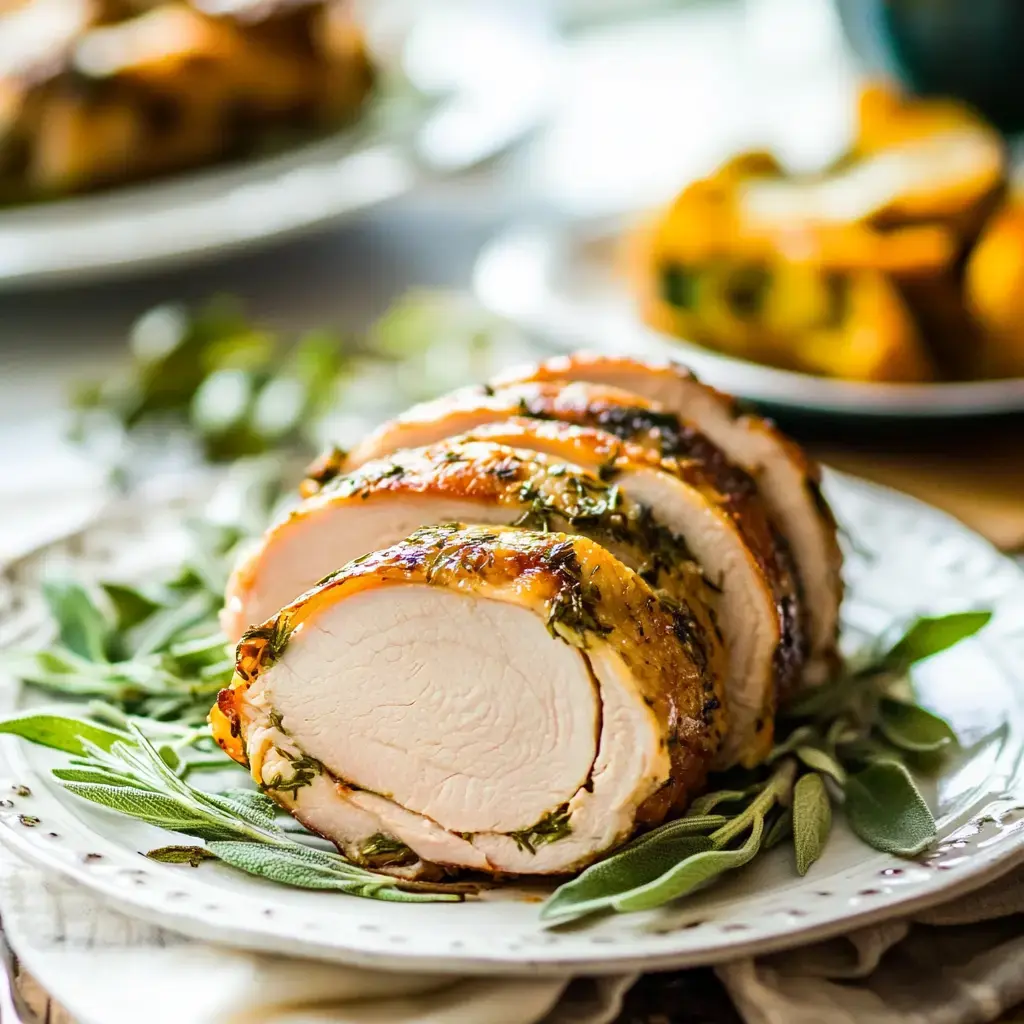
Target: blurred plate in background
(462, 100)
(564, 284)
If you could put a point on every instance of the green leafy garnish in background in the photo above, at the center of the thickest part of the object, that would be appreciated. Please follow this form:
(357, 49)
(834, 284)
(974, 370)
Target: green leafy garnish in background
(236, 388)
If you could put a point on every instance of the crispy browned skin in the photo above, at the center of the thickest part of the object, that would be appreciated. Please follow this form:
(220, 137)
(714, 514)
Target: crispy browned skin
(672, 658)
(722, 422)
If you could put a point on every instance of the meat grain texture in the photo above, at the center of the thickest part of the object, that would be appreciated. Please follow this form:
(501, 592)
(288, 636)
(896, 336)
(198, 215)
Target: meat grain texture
(521, 623)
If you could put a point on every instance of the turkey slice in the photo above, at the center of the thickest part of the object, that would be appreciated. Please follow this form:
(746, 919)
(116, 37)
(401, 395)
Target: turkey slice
(502, 700)
(481, 482)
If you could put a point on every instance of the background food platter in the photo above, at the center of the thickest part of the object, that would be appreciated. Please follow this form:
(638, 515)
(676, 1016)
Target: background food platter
(909, 559)
(564, 283)
(432, 120)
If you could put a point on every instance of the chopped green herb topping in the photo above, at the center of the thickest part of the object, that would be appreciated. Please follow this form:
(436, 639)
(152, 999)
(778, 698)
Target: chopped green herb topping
(549, 829)
(384, 849)
(304, 770)
(275, 637)
(572, 613)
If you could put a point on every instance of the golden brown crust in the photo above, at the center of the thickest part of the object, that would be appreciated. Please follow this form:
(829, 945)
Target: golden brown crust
(664, 379)
(654, 436)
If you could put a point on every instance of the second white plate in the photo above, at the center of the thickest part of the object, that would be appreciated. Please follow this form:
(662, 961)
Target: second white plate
(565, 284)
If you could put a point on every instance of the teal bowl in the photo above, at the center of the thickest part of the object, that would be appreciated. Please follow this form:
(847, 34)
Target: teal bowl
(970, 49)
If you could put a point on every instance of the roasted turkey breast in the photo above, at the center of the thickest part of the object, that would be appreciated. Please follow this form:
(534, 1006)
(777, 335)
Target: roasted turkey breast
(787, 479)
(386, 500)
(747, 595)
(689, 485)
(502, 700)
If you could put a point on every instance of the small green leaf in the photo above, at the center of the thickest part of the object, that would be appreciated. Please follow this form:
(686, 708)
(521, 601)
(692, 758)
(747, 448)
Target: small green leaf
(131, 606)
(692, 872)
(61, 733)
(601, 884)
(911, 727)
(812, 820)
(781, 828)
(158, 809)
(290, 867)
(704, 804)
(191, 855)
(822, 762)
(169, 756)
(885, 808)
(796, 738)
(82, 627)
(928, 636)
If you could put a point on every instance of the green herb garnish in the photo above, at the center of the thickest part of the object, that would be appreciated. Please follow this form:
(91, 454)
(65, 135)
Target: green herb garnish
(549, 829)
(844, 741)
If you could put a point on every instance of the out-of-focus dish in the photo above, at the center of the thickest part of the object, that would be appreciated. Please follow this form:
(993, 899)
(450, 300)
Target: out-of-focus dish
(94, 93)
(564, 284)
(890, 284)
(428, 113)
(899, 264)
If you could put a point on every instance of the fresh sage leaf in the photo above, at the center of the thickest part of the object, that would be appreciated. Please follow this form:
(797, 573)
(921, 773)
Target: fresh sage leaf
(153, 808)
(691, 873)
(688, 826)
(601, 884)
(780, 829)
(82, 627)
(911, 727)
(191, 855)
(812, 820)
(929, 636)
(703, 805)
(885, 808)
(60, 733)
(820, 761)
(798, 737)
(290, 868)
(131, 606)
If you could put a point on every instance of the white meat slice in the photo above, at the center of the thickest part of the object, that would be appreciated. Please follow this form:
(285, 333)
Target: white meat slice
(500, 700)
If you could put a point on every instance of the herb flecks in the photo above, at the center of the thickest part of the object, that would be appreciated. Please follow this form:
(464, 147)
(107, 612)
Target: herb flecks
(304, 770)
(549, 829)
(572, 612)
(381, 849)
(262, 646)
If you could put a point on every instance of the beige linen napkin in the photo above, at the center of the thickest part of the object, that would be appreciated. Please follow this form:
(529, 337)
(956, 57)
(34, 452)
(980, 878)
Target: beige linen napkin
(959, 963)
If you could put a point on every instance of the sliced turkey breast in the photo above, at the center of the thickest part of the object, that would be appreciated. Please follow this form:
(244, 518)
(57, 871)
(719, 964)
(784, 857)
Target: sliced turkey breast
(481, 482)
(713, 505)
(788, 480)
(500, 700)
(752, 595)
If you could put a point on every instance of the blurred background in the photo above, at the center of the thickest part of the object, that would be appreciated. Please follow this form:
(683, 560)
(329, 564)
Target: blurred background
(541, 173)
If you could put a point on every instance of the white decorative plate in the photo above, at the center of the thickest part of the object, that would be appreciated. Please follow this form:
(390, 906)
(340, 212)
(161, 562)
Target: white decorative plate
(478, 108)
(566, 285)
(911, 560)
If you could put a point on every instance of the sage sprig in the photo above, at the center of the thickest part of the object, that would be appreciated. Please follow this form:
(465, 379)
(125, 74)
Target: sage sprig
(128, 774)
(843, 743)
